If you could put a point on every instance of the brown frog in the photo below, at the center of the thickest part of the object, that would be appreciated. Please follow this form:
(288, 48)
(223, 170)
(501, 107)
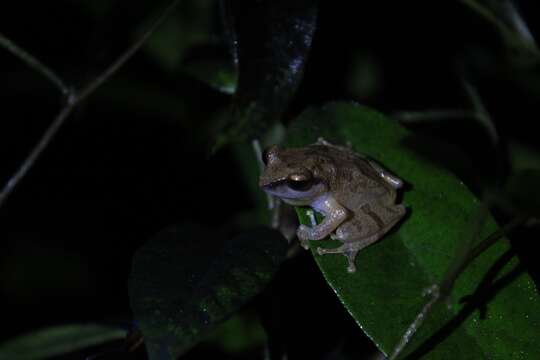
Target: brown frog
(356, 195)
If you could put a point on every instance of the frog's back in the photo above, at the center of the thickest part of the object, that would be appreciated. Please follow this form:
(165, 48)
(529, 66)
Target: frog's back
(358, 183)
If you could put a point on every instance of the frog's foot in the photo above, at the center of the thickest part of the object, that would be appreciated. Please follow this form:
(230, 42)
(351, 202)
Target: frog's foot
(347, 250)
(322, 141)
(304, 244)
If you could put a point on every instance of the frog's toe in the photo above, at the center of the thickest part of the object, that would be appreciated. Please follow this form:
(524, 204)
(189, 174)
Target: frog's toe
(351, 255)
(303, 233)
(304, 244)
(322, 141)
(323, 251)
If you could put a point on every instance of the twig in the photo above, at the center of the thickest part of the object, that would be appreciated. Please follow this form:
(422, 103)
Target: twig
(511, 35)
(100, 79)
(418, 321)
(37, 150)
(34, 63)
(478, 113)
(407, 117)
(482, 114)
(456, 270)
(440, 292)
(73, 97)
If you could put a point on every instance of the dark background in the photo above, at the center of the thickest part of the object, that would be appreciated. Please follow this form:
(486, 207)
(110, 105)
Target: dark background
(133, 158)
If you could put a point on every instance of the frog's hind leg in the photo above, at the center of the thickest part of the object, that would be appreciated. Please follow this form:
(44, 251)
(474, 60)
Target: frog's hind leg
(349, 249)
(349, 253)
(388, 177)
(362, 237)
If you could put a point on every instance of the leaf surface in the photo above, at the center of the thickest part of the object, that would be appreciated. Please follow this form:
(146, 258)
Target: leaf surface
(500, 315)
(271, 42)
(187, 280)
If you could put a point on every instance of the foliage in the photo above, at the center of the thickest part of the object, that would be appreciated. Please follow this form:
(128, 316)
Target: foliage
(395, 271)
(127, 152)
(181, 286)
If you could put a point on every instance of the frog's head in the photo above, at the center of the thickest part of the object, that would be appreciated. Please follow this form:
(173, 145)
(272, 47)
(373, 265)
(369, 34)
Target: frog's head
(291, 175)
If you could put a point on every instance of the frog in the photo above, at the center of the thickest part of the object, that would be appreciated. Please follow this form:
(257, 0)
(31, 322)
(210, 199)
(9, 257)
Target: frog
(356, 195)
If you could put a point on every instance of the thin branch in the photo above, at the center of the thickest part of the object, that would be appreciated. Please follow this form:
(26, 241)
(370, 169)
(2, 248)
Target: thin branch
(418, 321)
(73, 97)
(33, 63)
(440, 292)
(456, 270)
(36, 151)
(513, 36)
(100, 79)
(478, 113)
(481, 112)
(407, 117)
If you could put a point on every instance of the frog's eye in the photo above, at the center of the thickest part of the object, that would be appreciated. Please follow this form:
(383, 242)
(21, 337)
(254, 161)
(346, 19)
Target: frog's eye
(300, 182)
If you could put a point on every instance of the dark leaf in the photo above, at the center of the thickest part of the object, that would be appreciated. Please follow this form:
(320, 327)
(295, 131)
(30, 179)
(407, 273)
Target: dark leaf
(187, 280)
(241, 333)
(273, 38)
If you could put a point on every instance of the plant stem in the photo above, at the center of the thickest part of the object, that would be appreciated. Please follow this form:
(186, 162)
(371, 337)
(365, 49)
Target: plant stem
(454, 271)
(105, 75)
(37, 150)
(33, 63)
(406, 117)
(482, 115)
(508, 33)
(73, 97)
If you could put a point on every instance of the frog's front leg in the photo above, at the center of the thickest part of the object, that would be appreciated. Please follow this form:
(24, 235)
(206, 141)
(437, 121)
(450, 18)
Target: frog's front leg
(334, 215)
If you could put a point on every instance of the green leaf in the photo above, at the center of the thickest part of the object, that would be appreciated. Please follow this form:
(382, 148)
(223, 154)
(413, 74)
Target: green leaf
(58, 340)
(272, 40)
(188, 26)
(187, 280)
(216, 73)
(384, 295)
(241, 333)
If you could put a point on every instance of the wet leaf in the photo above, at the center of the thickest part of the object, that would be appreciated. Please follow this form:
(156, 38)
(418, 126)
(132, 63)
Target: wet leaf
(187, 280)
(500, 313)
(58, 340)
(272, 40)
